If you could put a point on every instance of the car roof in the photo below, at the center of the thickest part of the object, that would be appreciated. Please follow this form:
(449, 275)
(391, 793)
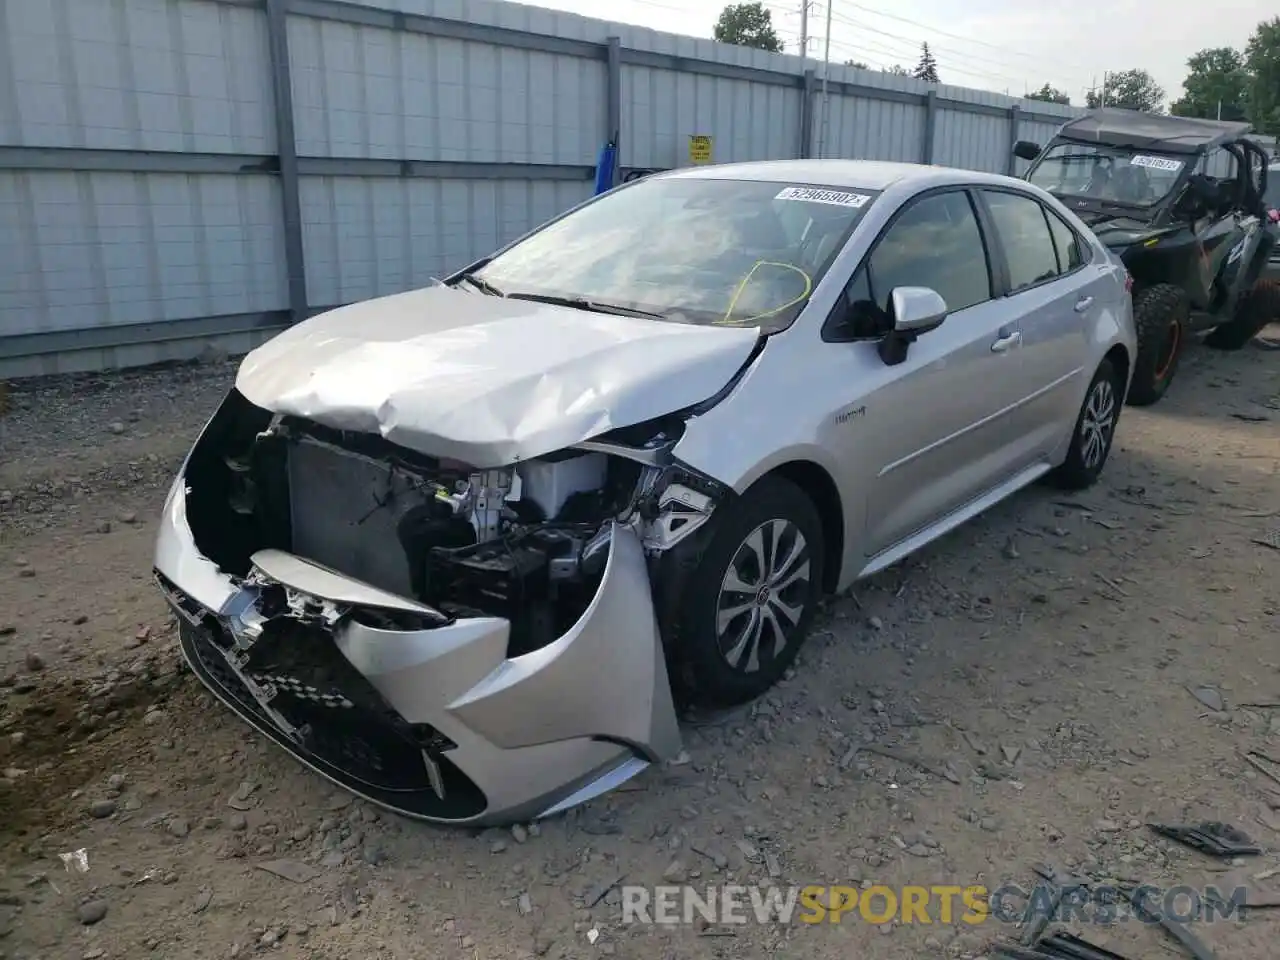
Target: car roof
(850, 174)
(1150, 131)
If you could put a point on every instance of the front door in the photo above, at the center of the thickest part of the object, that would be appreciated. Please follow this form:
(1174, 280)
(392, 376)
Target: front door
(935, 439)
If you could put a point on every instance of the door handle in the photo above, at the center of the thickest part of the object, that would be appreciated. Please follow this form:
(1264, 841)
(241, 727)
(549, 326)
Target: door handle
(1007, 341)
(1083, 304)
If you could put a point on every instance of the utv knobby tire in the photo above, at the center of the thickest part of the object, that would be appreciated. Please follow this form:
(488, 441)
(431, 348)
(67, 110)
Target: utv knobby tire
(1162, 318)
(705, 675)
(1258, 307)
(1077, 471)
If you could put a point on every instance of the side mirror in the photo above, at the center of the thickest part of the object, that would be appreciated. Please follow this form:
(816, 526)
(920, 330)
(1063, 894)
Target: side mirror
(1026, 150)
(916, 310)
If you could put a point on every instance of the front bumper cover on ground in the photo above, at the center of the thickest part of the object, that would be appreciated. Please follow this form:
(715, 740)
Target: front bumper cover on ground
(434, 722)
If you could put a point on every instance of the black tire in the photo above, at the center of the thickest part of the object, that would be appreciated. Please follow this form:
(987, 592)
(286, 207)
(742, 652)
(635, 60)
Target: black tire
(707, 675)
(1091, 439)
(1162, 316)
(1258, 307)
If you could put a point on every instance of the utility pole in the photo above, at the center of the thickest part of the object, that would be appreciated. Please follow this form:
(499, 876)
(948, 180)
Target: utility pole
(826, 96)
(804, 32)
(1103, 101)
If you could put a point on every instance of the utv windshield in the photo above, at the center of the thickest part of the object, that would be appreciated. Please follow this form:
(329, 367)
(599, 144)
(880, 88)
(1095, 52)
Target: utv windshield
(1107, 174)
(691, 250)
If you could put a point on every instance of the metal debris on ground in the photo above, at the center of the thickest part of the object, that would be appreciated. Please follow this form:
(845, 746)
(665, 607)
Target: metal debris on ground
(1177, 930)
(1270, 539)
(1057, 946)
(1264, 764)
(1210, 697)
(1211, 837)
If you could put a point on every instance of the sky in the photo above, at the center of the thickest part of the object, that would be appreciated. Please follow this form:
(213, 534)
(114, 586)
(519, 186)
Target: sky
(1012, 46)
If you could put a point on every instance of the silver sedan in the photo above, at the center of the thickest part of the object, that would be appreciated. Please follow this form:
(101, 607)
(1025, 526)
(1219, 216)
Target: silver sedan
(466, 550)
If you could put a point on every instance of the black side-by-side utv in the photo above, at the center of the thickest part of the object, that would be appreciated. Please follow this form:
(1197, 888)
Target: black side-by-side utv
(1195, 244)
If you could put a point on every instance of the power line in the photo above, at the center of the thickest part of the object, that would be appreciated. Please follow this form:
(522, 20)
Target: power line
(955, 36)
(964, 56)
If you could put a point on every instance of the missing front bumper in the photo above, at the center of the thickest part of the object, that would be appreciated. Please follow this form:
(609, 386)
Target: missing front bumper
(434, 721)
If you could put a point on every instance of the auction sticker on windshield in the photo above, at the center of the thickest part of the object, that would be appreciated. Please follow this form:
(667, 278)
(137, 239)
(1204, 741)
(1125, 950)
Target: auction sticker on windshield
(1155, 163)
(813, 195)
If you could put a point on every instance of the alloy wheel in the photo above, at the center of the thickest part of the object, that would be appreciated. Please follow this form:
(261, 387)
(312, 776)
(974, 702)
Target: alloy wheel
(1097, 423)
(762, 595)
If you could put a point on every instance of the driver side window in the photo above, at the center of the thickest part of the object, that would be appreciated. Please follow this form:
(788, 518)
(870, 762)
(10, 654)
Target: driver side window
(935, 242)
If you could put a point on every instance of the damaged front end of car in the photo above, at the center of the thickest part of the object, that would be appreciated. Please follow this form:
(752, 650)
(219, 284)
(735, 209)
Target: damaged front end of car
(457, 644)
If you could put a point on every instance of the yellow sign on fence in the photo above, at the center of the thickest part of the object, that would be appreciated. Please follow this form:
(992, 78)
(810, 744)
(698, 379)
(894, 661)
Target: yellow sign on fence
(699, 148)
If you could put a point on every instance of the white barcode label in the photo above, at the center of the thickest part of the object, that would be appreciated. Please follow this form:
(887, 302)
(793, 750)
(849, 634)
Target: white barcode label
(813, 195)
(1155, 163)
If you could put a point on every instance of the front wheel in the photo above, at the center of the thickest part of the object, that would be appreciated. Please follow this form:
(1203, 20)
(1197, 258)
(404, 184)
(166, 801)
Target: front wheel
(750, 602)
(1162, 317)
(1094, 431)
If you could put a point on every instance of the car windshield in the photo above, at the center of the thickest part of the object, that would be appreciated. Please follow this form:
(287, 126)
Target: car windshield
(1107, 174)
(686, 249)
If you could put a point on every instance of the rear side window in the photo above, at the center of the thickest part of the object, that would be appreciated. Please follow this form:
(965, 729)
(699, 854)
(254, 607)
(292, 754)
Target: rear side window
(1028, 244)
(936, 243)
(1066, 243)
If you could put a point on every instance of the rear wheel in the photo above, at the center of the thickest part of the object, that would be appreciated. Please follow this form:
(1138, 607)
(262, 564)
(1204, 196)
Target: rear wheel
(1258, 307)
(1162, 316)
(1094, 430)
(750, 601)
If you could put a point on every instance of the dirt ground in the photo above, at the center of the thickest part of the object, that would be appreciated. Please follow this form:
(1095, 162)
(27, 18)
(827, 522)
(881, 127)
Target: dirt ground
(1051, 677)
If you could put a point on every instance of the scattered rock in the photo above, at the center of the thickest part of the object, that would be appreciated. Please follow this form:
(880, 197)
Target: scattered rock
(203, 899)
(34, 662)
(676, 872)
(101, 809)
(519, 833)
(178, 827)
(116, 427)
(92, 912)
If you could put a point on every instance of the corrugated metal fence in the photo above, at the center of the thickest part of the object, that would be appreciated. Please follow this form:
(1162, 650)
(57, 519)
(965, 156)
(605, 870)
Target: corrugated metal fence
(180, 172)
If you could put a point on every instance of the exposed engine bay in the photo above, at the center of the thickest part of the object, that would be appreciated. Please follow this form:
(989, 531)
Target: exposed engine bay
(527, 543)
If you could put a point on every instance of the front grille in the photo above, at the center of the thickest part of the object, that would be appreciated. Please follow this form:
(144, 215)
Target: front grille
(348, 733)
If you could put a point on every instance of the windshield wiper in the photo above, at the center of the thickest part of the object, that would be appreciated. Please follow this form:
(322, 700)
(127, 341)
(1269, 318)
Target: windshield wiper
(482, 284)
(586, 303)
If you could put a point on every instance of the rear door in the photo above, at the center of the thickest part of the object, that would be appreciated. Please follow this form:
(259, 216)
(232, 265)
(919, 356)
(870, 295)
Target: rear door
(1057, 295)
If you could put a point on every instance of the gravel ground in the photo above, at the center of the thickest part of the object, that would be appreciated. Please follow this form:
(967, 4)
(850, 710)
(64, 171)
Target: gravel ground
(1047, 680)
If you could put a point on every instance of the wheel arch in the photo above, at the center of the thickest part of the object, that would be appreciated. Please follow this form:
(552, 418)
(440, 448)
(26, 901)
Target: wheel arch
(820, 487)
(1120, 359)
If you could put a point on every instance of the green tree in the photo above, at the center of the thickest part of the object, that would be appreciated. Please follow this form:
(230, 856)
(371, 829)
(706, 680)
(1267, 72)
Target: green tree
(927, 68)
(748, 25)
(1049, 94)
(1262, 60)
(856, 64)
(1217, 82)
(898, 70)
(1131, 90)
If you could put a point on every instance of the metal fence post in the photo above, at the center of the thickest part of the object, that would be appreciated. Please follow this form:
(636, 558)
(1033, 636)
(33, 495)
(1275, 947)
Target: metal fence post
(806, 115)
(287, 151)
(613, 102)
(930, 126)
(1014, 122)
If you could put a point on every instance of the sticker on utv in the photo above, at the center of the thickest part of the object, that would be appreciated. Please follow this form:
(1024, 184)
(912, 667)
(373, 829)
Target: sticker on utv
(1155, 163)
(835, 197)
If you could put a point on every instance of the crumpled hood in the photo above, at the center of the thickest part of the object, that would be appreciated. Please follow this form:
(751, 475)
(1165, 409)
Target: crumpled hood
(485, 380)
